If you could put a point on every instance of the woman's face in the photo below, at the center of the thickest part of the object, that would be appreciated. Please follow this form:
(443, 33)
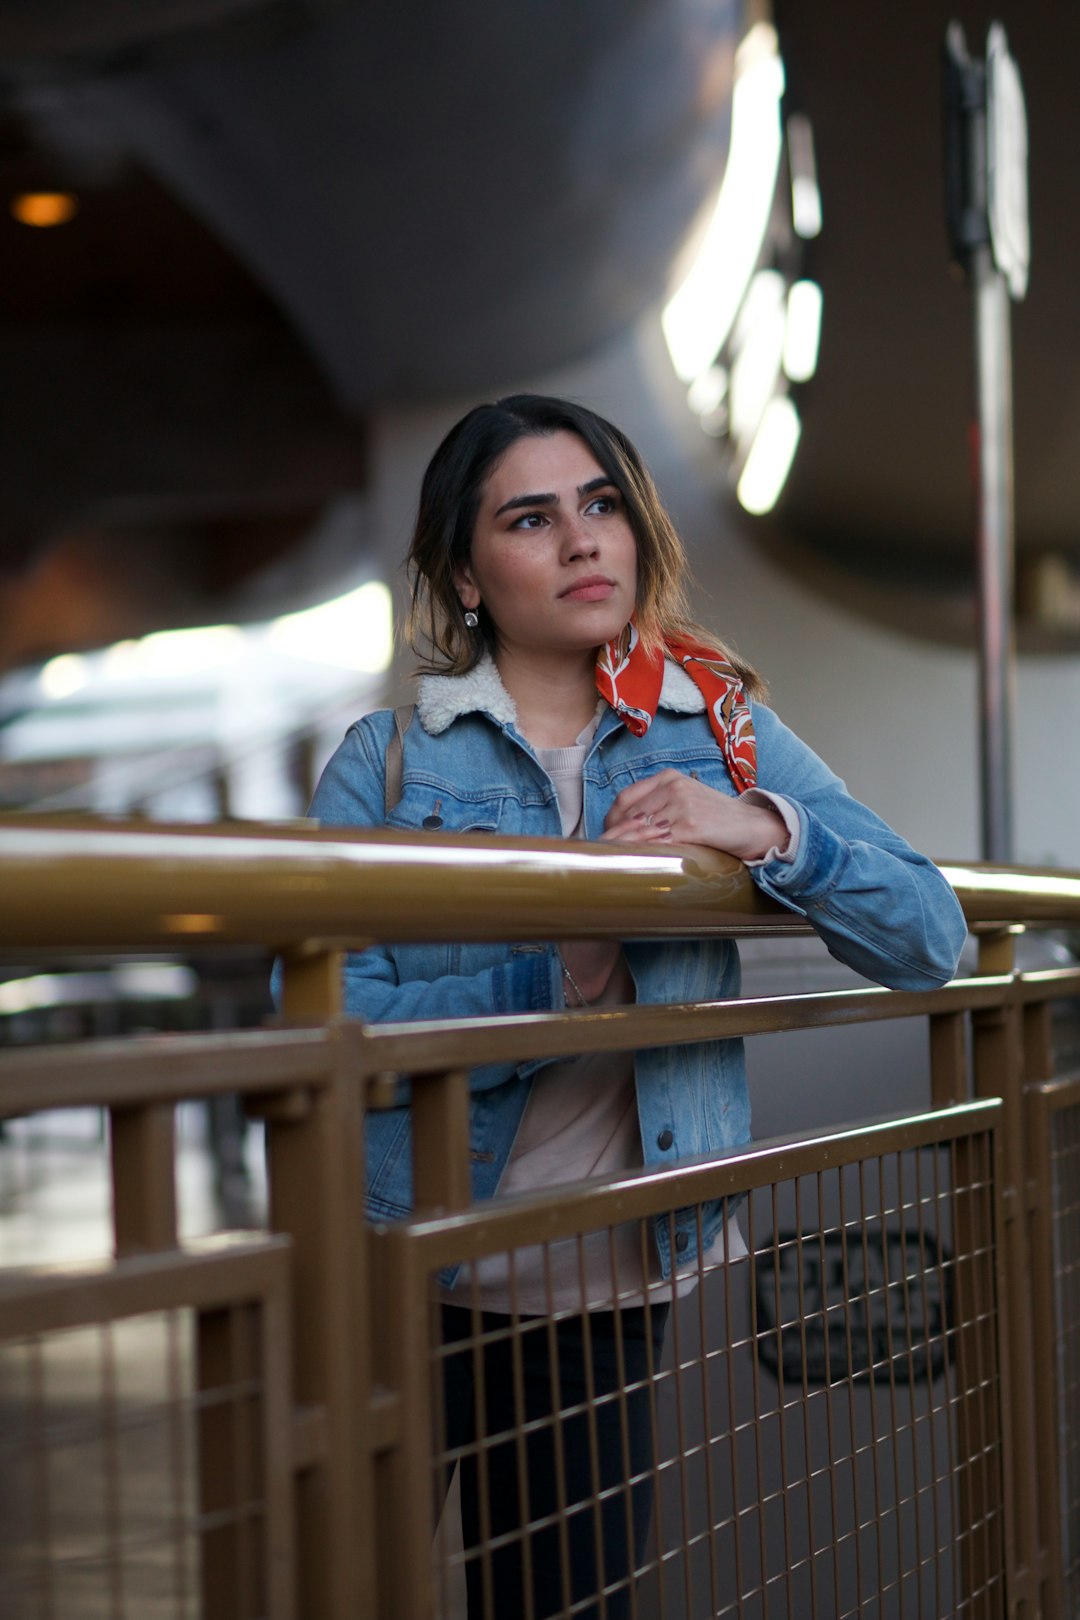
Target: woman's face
(553, 559)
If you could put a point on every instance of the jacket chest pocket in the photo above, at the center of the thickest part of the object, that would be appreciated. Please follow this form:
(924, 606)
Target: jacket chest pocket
(705, 766)
(433, 807)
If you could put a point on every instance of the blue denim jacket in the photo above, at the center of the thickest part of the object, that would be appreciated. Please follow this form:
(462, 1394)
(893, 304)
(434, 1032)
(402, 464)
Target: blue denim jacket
(881, 908)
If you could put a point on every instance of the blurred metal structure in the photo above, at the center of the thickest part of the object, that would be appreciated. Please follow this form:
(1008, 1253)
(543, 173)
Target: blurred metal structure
(843, 1419)
(986, 150)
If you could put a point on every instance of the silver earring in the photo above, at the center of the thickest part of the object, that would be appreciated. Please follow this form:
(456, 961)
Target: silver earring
(470, 619)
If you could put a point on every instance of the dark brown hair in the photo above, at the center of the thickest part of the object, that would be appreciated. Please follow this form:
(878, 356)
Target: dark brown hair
(450, 498)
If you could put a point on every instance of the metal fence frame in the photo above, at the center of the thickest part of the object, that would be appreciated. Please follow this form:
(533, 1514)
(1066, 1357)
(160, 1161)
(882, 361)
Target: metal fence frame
(312, 894)
(415, 1249)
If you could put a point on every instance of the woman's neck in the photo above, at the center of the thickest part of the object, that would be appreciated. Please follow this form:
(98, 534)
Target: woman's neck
(555, 698)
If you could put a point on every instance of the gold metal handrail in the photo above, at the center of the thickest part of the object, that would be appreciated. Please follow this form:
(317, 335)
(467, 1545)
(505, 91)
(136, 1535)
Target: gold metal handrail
(113, 884)
(122, 884)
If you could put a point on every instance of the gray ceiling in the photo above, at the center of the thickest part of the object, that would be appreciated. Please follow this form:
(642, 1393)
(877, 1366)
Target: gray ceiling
(296, 212)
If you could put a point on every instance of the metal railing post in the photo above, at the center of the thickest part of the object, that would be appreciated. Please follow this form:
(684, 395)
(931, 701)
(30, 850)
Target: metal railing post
(404, 1495)
(142, 1148)
(314, 1146)
(998, 1072)
(1039, 1212)
(440, 1126)
(231, 1556)
(949, 1078)
(407, 1497)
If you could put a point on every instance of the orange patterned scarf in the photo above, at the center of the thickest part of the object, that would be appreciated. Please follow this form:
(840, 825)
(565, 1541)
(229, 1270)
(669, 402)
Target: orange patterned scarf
(630, 679)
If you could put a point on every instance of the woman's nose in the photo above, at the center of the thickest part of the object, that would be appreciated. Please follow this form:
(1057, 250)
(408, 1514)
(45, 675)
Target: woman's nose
(581, 540)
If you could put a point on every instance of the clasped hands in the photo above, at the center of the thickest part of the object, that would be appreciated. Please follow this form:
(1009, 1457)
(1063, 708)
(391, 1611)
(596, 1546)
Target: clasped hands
(673, 808)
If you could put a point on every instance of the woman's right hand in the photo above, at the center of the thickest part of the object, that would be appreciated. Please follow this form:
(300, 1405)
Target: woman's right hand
(672, 807)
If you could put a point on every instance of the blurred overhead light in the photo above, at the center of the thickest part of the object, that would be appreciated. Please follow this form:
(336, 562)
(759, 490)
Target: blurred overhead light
(701, 313)
(708, 392)
(134, 981)
(120, 661)
(802, 330)
(62, 676)
(44, 208)
(770, 457)
(743, 327)
(759, 348)
(171, 653)
(354, 631)
(805, 196)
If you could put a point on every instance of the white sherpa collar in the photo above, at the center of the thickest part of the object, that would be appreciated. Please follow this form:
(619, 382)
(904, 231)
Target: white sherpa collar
(442, 699)
(679, 692)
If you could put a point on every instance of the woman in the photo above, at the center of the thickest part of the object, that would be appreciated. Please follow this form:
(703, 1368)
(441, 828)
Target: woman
(566, 691)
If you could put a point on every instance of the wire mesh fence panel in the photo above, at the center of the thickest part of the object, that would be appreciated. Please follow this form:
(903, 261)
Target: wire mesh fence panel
(140, 1458)
(804, 1420)
(1065, 1206)
(98, 1500)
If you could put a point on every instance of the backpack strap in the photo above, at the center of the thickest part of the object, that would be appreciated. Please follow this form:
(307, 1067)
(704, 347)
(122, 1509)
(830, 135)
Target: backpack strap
(395, 756)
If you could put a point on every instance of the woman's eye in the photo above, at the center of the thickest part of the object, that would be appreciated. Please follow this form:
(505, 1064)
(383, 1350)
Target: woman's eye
(603, 504)
(529, 520)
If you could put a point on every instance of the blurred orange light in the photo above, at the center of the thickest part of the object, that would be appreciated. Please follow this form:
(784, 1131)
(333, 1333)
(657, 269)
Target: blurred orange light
(44, 208)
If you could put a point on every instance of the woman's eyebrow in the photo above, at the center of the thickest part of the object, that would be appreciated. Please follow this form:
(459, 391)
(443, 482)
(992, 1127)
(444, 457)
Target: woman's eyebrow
(549, 499)
(527, 500)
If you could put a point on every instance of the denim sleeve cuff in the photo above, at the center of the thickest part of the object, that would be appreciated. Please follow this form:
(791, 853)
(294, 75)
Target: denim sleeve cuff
(790, 817)
(816, 868)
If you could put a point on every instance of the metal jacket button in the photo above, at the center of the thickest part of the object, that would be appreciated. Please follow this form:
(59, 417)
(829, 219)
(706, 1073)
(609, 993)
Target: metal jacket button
(682, 1241)
(664, 1141)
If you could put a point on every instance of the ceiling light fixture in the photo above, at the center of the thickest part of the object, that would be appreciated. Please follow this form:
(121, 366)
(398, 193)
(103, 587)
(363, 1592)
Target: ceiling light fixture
(802, 330)
(701, 313)
(758, 343)
(770, 458)
(708, 392)
(43, 209)
(743, 326)
(805, 195)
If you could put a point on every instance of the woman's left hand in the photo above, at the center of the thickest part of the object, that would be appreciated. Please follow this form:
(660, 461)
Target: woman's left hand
(672, 807)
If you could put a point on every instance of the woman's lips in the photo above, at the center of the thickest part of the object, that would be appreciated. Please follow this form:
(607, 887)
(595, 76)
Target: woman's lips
(594, 588)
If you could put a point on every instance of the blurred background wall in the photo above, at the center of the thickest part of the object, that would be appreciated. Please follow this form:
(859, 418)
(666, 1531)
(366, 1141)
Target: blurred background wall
(256, 255)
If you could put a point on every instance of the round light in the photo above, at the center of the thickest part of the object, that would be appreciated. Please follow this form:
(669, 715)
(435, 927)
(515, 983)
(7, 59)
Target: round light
(63, 675)
(44, 208)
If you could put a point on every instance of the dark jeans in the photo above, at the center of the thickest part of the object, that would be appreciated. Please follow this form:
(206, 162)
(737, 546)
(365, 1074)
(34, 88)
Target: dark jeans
(571, 1447)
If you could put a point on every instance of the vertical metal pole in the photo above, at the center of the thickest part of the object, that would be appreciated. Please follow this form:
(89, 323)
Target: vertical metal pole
(995, 552)
(986, 200)
(994, 525)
